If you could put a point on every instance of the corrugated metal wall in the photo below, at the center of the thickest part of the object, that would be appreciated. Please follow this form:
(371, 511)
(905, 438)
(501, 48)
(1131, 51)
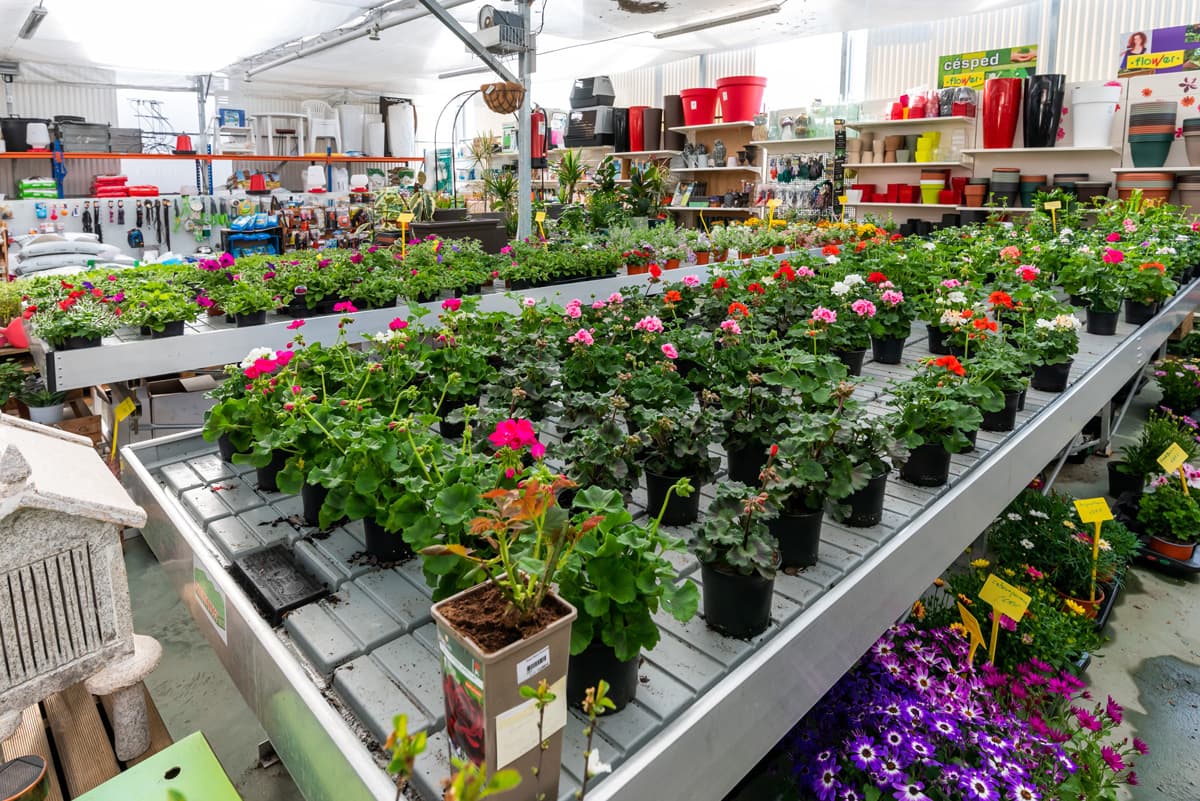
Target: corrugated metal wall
(46, 91)
(1091, 33)
(901, 57)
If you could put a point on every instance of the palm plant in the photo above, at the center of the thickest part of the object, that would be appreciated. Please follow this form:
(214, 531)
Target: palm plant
(569, 171)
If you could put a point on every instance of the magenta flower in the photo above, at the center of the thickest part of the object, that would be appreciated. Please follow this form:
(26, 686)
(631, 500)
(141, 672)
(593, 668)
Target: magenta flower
(345, 307)
(295, 324)
(1113, 237)
(824, 315)
(398, 324)
(582, 337)
(1086, 719)
(205, 302)
(863, 308)
(225, 261)
(515, 435)
(952, 283)
(669, 351)
(267, 276)
(356, 258)
(323, 263)
(297, 389)
(451, 304)
(1112, 256)
(1112, 759)
(1140, 746)
(1114, 711)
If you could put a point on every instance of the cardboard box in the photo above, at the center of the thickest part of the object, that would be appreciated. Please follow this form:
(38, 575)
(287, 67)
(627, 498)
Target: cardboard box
(1184, 328)
(179, 403)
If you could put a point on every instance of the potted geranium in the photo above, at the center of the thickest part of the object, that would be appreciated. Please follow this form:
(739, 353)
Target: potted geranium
(998, 365)
(638, 260)
(603, 454)
(248, 298)
(1146, 286)
(933, 419)
(1049, 345)
(865, 439)
(459, 365)
(738, 561)
(676, 446)
(1103, 292)
(510, 632)
(615, 622)
(891, 324)
(1170, 517)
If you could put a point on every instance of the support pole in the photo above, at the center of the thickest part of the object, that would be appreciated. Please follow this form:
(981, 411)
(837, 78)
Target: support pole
(202, 145)
(525, 131)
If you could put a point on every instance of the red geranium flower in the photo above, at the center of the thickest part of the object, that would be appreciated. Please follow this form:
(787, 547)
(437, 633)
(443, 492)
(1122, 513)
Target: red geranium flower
(1000, 299)
(785, 273)
(952, 365)
(830, 250)
(876, 278)
(655, 271)
(720, 283)
(984, 324)
(756, 288)
(672, 297)
(737, 308)
(861, 246)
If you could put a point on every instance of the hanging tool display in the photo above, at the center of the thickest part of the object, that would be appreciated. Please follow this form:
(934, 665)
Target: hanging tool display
(138, 214)
(112, 207)
(166, 211)
(87, 218)
(120, 212)
(96, 217)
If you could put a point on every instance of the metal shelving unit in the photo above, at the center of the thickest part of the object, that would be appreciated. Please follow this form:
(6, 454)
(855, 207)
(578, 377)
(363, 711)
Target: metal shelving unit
(709, 707)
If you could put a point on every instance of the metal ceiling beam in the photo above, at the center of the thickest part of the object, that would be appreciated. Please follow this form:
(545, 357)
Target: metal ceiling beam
(439, 11)
(303, 50)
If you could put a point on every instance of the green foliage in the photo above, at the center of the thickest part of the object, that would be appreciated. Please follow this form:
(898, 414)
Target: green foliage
(735, 534)
(1168, 513)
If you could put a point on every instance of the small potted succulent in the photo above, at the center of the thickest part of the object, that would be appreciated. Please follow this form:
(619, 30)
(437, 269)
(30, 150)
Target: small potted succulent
(45, 405)
(738, 561)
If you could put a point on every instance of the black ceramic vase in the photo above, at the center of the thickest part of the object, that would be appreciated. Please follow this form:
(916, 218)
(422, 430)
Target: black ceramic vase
(1043, 109)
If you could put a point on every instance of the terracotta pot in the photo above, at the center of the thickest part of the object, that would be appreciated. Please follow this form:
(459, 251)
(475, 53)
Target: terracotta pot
(471, 712)
(1001, 110)
(1091, 609)
(671, 264)
(702, 257)
(1179, 551)
(637, 269)
(778, 249)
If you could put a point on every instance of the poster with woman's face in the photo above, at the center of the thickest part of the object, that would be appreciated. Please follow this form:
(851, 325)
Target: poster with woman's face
(1137, 48)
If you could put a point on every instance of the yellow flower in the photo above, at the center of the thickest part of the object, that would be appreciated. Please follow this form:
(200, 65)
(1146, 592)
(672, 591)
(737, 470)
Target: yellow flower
(1074, 607)
(980, 564)
(1069, 524)
(959, 629)
(1008, 571)
(939, 582)
(918, 610)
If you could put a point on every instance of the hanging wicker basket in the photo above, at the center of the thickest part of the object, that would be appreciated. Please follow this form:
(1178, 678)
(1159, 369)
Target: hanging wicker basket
(503, 98)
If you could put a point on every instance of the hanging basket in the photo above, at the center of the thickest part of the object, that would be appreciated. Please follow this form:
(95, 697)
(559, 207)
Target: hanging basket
(503, 98)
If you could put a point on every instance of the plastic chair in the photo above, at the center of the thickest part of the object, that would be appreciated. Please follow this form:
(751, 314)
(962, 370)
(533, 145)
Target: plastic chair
(323, 123)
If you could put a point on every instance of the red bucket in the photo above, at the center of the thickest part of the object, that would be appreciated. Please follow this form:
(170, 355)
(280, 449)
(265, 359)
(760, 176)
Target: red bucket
(741, 97)
(699, 106)
(636, 127)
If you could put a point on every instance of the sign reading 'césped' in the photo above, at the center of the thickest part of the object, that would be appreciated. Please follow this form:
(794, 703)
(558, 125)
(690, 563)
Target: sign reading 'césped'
(972, 69)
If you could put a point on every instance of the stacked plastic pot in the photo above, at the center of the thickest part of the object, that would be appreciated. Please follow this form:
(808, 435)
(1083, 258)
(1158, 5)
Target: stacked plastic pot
(740, 98)
(1151, 132)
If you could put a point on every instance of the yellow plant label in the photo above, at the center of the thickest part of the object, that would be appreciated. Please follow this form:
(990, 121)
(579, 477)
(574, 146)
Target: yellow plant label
(1093, 510)
(843, 198)
(1004, 598)
(406, 217)
(124, 409)
(1052, 205)
(774, 203)
(1172, 458)
(973, 629)
(540, 217)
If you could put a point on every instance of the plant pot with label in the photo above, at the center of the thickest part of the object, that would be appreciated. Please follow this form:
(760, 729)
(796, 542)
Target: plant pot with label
(485, 665)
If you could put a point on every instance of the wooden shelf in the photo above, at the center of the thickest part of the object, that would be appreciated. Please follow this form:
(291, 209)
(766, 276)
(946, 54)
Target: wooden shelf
(904, 205)
(1001, 209)
(1047, 151)
(871, 125)
(646, 154)
(794, 144)
(46, 155)
(712, 209)
(909, 165)
(751, 170)
(716, 126)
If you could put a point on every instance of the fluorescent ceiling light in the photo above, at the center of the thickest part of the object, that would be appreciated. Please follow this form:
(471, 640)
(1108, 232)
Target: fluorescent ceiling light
(704, 25)
(464, 71)
(33, 22)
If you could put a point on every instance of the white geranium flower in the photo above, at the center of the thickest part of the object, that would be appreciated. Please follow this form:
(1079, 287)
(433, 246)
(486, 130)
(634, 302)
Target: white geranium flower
(832, 259)
(957, 297)
(255, 355)
(930, 246)
(1066, 322)
(593, 766)
(840, 288)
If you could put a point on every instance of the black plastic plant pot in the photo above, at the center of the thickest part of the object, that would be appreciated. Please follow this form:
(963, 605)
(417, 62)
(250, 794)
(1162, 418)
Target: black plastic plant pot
(927, 466)
(1021, 396)
(887, 351)
(853, 359)
(1078, 301)
(1006, 418)
(736, 605)
(680, 511)
(297, 308)
(746, 463)
(799, 537)
(250, 319)
(313, 498)
(973, 438)
(453, 430)
(266, 475)
(225, 448)
(1051, 377)
(597, 662)
(386, 546)
(1139, 313)
(171, 329)
(78, 343)
(1120, 482)
(1102, 323)
(866, 505)
(937, 341)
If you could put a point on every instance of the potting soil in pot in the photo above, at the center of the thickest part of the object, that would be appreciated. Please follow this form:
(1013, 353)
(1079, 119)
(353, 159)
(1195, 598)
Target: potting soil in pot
(481, 617)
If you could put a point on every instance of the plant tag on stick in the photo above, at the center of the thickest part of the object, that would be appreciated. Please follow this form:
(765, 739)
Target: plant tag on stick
(1093, 510)
(1005, 599)
(1172, 458)
(973, 629)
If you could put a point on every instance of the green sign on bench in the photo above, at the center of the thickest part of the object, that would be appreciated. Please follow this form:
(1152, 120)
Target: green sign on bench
(187, 771)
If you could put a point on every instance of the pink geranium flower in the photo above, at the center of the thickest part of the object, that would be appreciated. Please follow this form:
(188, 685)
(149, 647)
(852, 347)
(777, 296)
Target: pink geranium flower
(669, 351)
(691, 281)
(863, 308)
(295, 324)
(398, 324)
(451, 304)
(731, 327)
(650, 324)
(892, 297)
(345, 307)
(582, 337)
(1113, 256)
(824, 315)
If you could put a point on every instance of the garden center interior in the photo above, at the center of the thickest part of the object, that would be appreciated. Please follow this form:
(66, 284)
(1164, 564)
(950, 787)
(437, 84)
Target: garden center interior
(561, 399)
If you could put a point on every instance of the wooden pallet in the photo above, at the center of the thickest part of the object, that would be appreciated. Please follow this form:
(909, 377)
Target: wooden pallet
(70, 731)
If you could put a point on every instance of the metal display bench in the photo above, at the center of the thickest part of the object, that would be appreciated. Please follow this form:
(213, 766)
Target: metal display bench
(326, 683)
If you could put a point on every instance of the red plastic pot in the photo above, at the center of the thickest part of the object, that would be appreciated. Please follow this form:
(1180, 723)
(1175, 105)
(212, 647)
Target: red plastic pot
(741, 97)
(699, 107)
(1001, 108)
(637, 127)
(948, 197)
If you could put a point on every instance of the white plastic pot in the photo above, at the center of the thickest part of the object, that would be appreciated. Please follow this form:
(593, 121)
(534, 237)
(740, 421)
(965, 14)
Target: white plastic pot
(1092, 112)
(46, 415)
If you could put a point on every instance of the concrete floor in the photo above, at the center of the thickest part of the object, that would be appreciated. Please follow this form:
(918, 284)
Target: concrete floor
(1151, 665)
